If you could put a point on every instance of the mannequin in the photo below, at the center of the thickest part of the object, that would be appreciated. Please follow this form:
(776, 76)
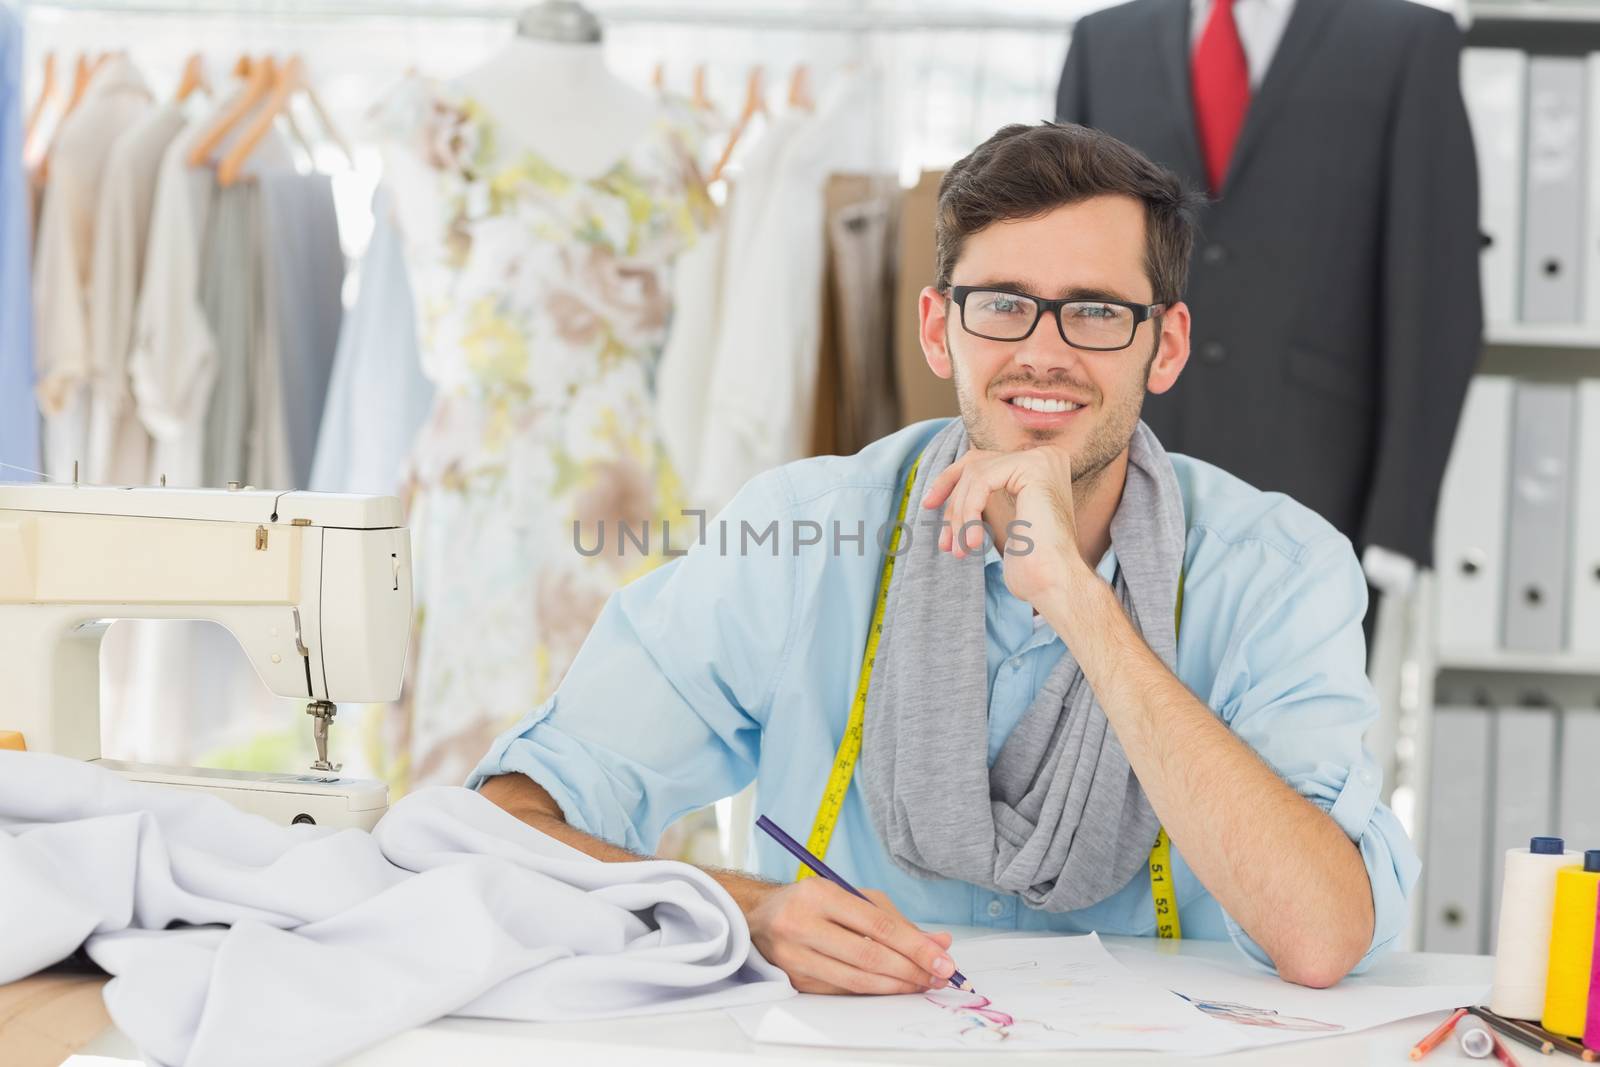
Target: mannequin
(542, 203)
(548, 85)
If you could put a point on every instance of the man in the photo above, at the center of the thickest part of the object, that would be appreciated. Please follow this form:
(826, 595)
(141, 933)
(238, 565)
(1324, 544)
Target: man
(1031, 718)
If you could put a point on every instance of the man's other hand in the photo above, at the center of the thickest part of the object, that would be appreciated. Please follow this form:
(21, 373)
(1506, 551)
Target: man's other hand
(829, 941)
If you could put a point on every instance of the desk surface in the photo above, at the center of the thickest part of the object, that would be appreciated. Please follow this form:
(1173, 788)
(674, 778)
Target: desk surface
(713, 1038)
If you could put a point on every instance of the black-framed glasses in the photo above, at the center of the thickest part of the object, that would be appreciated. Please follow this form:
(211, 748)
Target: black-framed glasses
(1007, 315)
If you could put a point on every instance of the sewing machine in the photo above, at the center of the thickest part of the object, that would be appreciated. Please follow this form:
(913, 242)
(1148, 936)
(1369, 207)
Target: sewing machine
(316, 587)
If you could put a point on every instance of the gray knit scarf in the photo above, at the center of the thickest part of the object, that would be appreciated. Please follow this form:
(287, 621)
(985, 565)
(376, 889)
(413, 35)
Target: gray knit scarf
(1060, 819)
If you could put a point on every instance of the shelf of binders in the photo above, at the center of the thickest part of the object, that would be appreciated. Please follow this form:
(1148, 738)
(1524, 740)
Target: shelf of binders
(1507, 661)
(1517, 542)
(1544, 334)
(1536, 11)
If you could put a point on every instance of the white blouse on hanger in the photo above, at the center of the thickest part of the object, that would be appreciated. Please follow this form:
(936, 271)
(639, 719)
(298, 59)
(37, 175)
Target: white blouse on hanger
(116, 99)
(119, 446)
(763, 378)
(685, 378)
(378, 397)
(173, 364)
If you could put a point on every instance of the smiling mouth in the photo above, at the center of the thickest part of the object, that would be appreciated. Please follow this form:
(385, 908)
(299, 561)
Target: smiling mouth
(1042, 405)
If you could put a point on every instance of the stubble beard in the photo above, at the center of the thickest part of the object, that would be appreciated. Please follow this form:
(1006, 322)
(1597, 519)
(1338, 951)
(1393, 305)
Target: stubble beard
(1089, 462)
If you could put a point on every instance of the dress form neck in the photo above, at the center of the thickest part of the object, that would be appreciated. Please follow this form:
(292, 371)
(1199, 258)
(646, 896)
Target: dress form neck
(560, 101)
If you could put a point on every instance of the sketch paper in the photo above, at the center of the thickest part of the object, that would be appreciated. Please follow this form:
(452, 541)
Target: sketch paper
(1032, 994)
(1265, 1010)
(1070, 993)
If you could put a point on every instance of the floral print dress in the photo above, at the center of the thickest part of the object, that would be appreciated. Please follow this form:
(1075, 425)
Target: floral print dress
(542, 306)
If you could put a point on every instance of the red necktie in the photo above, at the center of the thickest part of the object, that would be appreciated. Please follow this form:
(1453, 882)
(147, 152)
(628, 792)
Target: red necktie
(1221, 83)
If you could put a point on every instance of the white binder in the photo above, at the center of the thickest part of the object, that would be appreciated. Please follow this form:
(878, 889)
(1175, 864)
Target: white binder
(1554, 197)
(1456, 843)
(1579, 820)
(1524, 788)
(1470, 530)
(1539, 523)
(1494, 85)
(1585, 584)
(1591, 217)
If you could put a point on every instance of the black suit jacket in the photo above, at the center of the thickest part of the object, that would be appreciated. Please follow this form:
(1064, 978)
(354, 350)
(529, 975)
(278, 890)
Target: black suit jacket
(1335, 292)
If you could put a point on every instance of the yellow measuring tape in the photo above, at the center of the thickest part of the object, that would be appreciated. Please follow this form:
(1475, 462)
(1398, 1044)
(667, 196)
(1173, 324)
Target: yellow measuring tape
(844, 761)
(1162, 891)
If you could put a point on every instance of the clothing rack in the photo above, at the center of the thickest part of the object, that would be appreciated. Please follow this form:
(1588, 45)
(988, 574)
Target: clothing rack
(799, 20)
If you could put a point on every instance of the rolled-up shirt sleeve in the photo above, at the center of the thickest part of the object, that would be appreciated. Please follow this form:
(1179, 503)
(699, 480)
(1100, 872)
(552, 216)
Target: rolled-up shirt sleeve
(660, 712)
(1294, 687)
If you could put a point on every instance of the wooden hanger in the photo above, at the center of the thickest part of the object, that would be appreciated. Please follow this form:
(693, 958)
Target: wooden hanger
(701, 99)
(262, 76)
(286, 80)
(291, 79)
(658, 77)
(243, 65)
(800, 90)
(82, 75)
(754, 104)
(47, 89)
(194, 77)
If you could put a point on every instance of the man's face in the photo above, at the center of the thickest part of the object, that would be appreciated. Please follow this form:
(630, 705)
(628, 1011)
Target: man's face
(1092, 250)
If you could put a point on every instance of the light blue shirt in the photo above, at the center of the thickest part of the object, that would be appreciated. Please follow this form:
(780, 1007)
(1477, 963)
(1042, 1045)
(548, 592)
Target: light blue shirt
(723, 666)
(19, 411)
(378, 398)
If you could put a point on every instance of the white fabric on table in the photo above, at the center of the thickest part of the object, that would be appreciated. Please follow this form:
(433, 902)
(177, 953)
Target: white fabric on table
(329, 941)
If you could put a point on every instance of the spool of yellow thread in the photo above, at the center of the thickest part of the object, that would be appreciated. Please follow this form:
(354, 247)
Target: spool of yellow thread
(12, 740)
(1566, 995)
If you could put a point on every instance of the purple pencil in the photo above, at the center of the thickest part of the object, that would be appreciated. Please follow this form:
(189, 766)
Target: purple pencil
(803, 854)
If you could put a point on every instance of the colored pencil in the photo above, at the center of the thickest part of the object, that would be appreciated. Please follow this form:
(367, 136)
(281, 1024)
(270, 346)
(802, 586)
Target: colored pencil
(1549, 1038)
(1509, 1028)
(1565, 1043)
(803, 854)
(1504, 1055)
(1437, 1035)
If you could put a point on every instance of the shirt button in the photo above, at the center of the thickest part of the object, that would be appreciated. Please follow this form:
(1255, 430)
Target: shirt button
(1016, 663)
(1213, 352)
(1214, 255)
(995, 908)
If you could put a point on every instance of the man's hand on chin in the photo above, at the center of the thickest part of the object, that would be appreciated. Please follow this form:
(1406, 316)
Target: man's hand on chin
(1034, 485)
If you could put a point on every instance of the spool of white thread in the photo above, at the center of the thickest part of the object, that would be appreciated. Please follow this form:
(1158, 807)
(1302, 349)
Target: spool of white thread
(1476, 1042)
(1522, 949)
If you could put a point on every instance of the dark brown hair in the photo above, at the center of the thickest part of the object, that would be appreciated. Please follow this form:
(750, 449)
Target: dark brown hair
(1025, 171)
